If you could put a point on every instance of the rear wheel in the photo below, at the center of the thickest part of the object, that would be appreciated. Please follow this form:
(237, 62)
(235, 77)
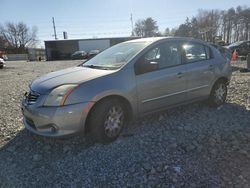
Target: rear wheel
(107, 121)
(218, 94)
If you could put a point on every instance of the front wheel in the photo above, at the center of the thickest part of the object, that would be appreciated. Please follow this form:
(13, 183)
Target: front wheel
(218, 94)
(107, 121)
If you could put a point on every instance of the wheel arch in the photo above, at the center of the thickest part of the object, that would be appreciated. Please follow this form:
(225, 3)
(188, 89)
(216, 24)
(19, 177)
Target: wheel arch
(222, 79)
(122, 99)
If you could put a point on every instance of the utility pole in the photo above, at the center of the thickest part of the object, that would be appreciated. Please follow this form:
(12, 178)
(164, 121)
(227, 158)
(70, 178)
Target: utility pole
(132, 24)
(54, 26)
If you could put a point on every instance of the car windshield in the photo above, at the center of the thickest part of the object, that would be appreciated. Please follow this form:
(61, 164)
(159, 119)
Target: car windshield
(116, 56)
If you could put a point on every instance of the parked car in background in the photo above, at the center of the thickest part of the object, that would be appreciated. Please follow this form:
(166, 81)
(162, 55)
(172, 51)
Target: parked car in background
(242, 47)
(93, 53)
(79, 55)
(3, 58)
(130, 79)
(2, 63)
(220, 42)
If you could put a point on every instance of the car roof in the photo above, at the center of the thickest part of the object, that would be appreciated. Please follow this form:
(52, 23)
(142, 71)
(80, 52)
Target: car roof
(149, 39)
(155, 39)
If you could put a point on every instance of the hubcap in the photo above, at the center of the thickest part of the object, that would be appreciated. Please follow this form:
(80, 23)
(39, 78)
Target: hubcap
(220, 93)
(114, 121)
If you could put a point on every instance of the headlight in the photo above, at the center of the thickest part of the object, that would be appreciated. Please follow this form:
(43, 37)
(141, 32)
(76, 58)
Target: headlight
(58, 96)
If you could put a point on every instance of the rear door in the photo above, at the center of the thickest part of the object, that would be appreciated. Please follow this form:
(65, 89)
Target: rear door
(164, 84)
(200, 69)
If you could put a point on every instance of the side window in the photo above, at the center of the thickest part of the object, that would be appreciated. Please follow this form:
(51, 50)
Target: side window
(149, 61)
(196, 52)
(164, 55)
(153, 54)
(170, 54)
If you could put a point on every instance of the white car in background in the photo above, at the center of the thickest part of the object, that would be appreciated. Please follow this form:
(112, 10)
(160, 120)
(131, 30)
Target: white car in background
(2, 63)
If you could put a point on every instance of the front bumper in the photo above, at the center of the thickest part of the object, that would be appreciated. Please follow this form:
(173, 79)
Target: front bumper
(55, 121)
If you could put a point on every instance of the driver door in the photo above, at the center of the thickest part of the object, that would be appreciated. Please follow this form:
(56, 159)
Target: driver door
(160, 77)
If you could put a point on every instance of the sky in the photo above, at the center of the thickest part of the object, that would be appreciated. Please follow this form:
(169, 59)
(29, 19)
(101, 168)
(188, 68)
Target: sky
(102, 18)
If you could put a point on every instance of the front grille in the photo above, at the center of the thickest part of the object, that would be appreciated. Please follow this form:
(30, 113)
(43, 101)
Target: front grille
(31, 97)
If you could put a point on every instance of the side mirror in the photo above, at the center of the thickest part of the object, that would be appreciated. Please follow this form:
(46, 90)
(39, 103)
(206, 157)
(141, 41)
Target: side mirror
(146, 66)
(153, 63)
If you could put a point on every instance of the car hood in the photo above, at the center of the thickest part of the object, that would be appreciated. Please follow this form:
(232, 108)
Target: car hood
(75, 75)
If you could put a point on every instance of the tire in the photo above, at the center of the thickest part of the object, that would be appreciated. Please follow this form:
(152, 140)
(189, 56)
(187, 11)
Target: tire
(218, 94)
(107, 120)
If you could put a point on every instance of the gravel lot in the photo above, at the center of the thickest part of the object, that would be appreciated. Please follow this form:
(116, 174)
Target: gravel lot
(190, 146)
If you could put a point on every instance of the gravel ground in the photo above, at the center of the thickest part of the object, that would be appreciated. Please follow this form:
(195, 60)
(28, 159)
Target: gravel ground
(190, 146)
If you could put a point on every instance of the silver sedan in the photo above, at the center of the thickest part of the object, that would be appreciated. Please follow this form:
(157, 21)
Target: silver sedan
(128, 80)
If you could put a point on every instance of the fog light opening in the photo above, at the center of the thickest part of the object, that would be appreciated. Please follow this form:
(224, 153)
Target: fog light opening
(53, 128)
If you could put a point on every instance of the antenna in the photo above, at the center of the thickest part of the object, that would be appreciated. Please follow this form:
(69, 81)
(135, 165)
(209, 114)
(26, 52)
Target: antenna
(54, 26)
(132, 24)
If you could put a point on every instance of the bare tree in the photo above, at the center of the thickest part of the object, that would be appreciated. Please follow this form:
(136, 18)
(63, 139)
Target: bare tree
(184, 30)
(18, 35)
(229, 25)
(245, 16)
(2, 42)
(207, 24)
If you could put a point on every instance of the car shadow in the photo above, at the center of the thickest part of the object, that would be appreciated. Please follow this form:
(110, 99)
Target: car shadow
(28, 145)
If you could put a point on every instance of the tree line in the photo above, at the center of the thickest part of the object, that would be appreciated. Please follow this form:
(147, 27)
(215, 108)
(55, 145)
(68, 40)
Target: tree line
(210, 25)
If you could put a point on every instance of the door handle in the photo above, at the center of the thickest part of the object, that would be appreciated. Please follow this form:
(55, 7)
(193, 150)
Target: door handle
(179, 74)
